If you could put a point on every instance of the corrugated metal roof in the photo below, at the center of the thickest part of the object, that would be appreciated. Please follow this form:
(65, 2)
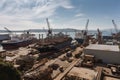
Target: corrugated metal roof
(103, 47)
(83, 73)
(110, 78)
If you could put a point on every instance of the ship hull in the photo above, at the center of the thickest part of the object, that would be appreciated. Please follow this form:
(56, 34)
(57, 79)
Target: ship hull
(10, 45)
(4, 37)
(49, 50)
(16, 45)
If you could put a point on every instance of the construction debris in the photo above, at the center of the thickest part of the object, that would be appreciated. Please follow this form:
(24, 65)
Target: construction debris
(39, 75)
(25, 62)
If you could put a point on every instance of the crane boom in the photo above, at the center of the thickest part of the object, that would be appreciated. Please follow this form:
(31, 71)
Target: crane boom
(8, 30)
(86, 37)
(86, 27)
(48, 23)
(49, 30)
(115, 26)
(99, 36)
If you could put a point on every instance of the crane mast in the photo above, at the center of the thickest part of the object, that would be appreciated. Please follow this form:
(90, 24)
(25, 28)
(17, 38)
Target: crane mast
(115, 26)
(86, 27)
(10, 32)
(49, 30)
(86, 37)
(99, 36)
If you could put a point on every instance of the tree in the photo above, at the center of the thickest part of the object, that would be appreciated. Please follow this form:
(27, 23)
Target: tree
(8, 72)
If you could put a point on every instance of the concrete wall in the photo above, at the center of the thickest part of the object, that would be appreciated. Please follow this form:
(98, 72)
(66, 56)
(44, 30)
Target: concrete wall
(106, 56)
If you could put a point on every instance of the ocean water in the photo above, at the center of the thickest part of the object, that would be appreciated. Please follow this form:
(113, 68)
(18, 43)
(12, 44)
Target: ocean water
(71, 34)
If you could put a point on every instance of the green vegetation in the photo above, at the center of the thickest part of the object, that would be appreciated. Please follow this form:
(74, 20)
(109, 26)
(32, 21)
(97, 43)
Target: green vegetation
(8, 72)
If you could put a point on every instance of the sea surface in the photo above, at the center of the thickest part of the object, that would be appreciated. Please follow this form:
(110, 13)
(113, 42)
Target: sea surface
(71, 34)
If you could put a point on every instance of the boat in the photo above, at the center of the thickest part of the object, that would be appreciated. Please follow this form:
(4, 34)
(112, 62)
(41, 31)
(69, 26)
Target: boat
(54, 44)
(17, 41)
(4, 37)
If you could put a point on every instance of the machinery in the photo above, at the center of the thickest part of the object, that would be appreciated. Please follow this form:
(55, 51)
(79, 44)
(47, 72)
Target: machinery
(115, 26)
(117, 34)
(86, 37)
(9, 31)
(49, 30)
(99, 36)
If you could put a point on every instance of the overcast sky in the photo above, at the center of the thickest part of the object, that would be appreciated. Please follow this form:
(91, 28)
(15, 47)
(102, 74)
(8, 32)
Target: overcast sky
(31, 14)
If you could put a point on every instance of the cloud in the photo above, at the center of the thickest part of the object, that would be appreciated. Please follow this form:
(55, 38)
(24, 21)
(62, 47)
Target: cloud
(23, 11)
(33, 8)
(79, 15)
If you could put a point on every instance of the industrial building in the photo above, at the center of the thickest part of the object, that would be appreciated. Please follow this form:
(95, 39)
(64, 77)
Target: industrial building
(105, 53)
(110, 78)
(82, 74)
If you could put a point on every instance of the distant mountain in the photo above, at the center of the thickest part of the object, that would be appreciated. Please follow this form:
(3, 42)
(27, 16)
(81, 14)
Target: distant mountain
(60, 30)
(45, 30)
(55, 30)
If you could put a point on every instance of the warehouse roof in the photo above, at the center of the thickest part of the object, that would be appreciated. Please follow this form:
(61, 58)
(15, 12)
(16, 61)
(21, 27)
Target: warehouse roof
(103, 47)
(83, 73)
(110, 78)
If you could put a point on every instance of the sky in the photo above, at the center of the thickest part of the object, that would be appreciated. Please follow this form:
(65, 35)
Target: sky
(32, 14)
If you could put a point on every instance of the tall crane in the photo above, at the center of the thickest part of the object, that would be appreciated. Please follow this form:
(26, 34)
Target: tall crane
(99, 36)
(49, 30)
(10, 32)
(86, 27)
(115, 26)
(86, 37)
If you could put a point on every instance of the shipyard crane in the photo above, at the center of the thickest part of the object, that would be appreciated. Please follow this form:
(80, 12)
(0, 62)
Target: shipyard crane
(86, 27)
(49, 30)
(86, 37)
(115, 26)
(117, 35)
(10, 32)
(99, 36)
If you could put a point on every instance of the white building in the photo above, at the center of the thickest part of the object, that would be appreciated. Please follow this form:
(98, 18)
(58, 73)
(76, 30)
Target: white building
(106, 53)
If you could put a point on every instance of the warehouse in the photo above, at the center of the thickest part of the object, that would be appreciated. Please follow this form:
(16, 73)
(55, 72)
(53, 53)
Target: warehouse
(81, 74)
(106, 53)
